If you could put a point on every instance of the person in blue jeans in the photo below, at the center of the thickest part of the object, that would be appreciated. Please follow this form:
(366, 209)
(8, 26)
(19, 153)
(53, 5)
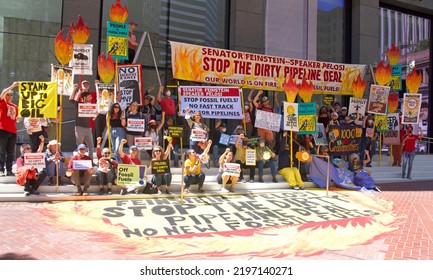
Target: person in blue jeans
(408, 140)
(265, 159)
(117, 123)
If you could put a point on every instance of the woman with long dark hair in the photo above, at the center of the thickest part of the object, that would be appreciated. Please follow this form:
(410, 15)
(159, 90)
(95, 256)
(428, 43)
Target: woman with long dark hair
(116, 122)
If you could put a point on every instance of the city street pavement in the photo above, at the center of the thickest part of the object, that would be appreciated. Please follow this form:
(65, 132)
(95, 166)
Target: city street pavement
(162, 228)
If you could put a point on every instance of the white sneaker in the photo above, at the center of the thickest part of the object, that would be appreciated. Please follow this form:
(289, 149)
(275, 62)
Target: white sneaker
(159, 192)
(223, 190)
(243, 181)
(251, 181)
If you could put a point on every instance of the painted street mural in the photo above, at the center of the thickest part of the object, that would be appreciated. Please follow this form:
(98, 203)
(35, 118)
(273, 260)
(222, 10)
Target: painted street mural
(268, 225)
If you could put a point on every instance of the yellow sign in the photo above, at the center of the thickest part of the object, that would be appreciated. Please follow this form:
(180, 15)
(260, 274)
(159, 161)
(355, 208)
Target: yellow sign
(37, 100)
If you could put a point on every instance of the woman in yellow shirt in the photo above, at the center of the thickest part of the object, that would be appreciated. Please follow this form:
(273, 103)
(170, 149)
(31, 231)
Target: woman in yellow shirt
(193, 173)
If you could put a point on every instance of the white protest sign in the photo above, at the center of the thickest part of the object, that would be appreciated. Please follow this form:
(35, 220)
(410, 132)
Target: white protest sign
(212, 102)
(87, 110)
(231, 169)
(268, 120)
(291, 116)
(81, 164)
(37, 160)
(129, 83)
(198, 135)
(105, 96)
(143, 143)
(82, 59)
(135, 125)
(357, 105)
(250, 155)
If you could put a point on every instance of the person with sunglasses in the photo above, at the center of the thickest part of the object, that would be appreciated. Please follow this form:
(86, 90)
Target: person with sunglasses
(159, 178)
(106, 171)
(193, 173)
(116, 122)
(27, 175)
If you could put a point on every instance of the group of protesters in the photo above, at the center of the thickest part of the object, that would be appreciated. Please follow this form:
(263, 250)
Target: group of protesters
(271, 150)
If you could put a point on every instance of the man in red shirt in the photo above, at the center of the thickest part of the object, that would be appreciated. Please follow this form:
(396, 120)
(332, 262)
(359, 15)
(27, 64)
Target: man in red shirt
(408, 140)
(81, 176)
(8, 130)
(167, 104)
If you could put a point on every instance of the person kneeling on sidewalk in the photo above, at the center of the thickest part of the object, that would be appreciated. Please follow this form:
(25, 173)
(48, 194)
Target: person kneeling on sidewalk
(79, 173)
(27, 175)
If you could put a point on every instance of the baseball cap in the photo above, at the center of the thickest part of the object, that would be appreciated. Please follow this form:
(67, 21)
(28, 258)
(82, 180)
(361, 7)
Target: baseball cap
(261, 140)
(344, 108)
(133, 147)
(264, 98)
(81, 146)
(133, 23)
(85, 81)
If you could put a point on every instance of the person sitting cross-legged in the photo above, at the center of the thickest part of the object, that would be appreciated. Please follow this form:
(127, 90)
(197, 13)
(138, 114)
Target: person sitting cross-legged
(81, 176)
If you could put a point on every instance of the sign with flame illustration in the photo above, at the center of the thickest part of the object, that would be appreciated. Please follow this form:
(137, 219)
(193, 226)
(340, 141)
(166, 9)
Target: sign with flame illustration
(248, 70)
(411, 108)
(266, 225)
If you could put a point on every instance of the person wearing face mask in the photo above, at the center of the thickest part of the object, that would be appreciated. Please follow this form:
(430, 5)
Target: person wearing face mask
(368, 133)
(167, 103)
(217, 147)
(264, 159)
(408, 140)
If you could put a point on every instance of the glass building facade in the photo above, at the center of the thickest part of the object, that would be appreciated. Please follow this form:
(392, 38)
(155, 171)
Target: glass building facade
(321, 30)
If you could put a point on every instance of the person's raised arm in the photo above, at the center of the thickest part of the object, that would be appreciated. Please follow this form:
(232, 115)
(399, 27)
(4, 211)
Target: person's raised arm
(250, 95)
(120, 151)
(238, 140)
(7, 90)
(161, 123)
(167, 151)
(256, 98)
(41, 145)
(75, 95)
(158, 95)
(206, 150)
(223, 156)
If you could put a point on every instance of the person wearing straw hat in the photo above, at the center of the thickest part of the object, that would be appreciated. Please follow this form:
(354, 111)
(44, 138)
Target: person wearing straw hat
(53, 157)
(27, 175)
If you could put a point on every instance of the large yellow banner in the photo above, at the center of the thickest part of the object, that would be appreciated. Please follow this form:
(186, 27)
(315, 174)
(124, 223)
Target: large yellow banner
(37, 100)
(248, 70)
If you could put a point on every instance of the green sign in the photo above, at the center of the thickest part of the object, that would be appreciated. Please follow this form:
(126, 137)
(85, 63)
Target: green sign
(129, 174)
(117, 39)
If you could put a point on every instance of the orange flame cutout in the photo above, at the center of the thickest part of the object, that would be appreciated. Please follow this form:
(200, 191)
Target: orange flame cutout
(413, 81)
(291, 89)
(392, 102)
(358, 87)
(306, 90)
(80, 32)
(188, 64)
(105, 68)
(383, 73)
(118, 13)
(63, 48)
(393, 55)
